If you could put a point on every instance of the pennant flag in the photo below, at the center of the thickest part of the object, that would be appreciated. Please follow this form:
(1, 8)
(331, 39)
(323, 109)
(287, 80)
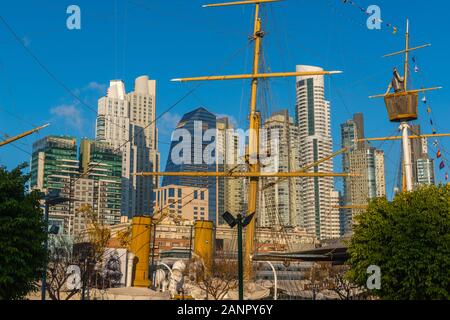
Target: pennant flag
(439, 154)
(424, 99)
(446, 176)
(442, 165)
(435, 143)
(416, 69)
(367, 13)
(434, 131)
(429, 110)
(414, 59)
(431, 121)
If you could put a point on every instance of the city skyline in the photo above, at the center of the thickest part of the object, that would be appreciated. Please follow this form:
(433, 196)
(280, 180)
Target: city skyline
(72, 118)
(287, 161)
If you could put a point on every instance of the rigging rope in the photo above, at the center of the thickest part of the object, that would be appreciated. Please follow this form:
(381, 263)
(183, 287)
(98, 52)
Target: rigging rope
(437, 145)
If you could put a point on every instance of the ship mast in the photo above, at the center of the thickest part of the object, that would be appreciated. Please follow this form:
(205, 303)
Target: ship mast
(255, 119)
(252, 156)
(408, 99)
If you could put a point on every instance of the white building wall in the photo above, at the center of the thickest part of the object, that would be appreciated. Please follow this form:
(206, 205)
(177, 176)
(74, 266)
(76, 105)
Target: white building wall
(127, 121)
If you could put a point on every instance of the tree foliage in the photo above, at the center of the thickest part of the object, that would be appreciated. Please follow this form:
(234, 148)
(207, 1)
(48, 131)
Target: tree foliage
(22, 233)
(86, 251)
(409, 239)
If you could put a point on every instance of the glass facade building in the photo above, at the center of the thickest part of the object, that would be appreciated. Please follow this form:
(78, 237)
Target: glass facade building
(192, 147)
(103, 164)
(94, 180)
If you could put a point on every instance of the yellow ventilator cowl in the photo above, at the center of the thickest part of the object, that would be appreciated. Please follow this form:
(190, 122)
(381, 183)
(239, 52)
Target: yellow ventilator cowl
(204, 241)
(140, 246)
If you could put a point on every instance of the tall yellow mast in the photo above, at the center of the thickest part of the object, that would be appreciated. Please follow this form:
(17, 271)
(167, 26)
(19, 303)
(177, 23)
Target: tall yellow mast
(255, 120)
(254, 173)
(253, 148)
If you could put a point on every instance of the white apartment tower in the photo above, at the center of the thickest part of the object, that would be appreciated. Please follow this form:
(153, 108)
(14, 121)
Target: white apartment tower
(229, 191)
(280, 200)
(369, 182)
(127, 122)
(319, 204)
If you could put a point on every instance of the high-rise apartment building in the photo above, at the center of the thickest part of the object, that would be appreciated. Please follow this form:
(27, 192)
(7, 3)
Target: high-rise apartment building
(423, 164)
(101, 163)
(55, 167)
(127, 122)
(192, 151)
(369, 181)
(280, 200)
(94, 181)
(53, 158)
(230, 192)
(320, 210)
(367, 165)
(144, 137)
(351, 131)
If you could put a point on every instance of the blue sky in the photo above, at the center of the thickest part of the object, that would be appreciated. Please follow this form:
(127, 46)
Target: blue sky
(168, 39)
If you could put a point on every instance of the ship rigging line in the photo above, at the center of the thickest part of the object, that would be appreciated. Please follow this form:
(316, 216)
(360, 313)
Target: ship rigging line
(432, 119)
(53, 76)
(432, 146)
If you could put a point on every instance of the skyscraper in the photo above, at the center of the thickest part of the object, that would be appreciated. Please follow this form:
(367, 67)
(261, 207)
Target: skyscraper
(192, 151)
(351, 131)
(55, 167)
(320, 213)
(144, 142)
(101, 163)
(367, 163)
(423, 164)
(369, 181)
(280, 201)
(230, 192)
(95, 183)
(127, 122)
(53, 158)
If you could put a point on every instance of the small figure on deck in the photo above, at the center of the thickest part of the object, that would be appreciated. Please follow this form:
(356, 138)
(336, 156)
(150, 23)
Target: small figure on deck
(398, 83)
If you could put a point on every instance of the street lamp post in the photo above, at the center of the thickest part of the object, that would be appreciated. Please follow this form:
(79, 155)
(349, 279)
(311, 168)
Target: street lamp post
(240, 258)
(275, 279)
(241, 221)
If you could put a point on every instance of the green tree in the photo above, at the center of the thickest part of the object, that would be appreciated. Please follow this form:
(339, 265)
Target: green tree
(22, 233)
(409, 239)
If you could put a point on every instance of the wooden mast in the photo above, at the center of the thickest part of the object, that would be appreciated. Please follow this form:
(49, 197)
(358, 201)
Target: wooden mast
(252, 156)
(407, 172)
(255, 120)
(22, 135)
